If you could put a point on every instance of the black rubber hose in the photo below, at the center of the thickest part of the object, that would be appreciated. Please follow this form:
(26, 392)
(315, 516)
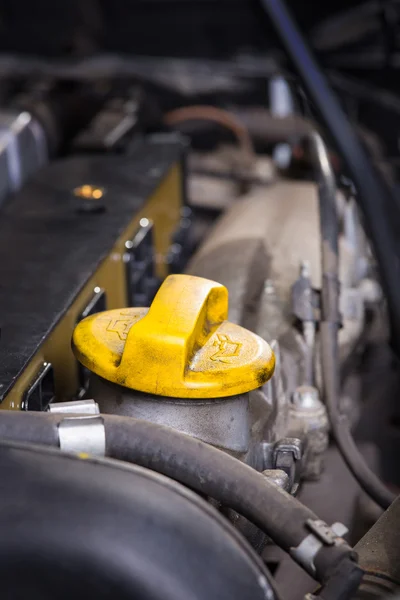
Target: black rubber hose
(367, 479)
(329, 326)
(343, 578)
(214, 473)
(102, 529)
(30, 427)
(374, 196)
(200, 467)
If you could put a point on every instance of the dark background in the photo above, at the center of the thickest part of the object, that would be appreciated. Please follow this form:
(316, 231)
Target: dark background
(191, 28)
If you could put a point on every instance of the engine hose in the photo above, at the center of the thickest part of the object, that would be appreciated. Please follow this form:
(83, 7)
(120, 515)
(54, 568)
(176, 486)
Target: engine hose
(206, 470)
(374, 197)
(329, 326)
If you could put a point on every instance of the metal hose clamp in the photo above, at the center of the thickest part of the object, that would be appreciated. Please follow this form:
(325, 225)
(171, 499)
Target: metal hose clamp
(83, 434)
(321, 535)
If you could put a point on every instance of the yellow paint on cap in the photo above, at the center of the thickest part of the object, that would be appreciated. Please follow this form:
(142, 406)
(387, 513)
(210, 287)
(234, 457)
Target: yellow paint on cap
(182, 346)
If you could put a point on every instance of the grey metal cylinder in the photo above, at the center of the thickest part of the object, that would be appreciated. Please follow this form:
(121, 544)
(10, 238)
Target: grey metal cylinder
(221, 422)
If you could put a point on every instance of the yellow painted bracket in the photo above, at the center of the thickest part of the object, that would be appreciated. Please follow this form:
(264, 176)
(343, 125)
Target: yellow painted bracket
(182, 346)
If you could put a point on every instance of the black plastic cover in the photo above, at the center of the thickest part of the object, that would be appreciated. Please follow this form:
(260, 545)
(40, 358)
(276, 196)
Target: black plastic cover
(50, 246)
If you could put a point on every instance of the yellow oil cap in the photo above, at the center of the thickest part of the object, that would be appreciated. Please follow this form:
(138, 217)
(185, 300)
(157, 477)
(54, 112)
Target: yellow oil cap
(182, 346)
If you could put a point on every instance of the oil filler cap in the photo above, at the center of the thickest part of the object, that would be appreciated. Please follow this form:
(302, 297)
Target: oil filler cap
(182, 346)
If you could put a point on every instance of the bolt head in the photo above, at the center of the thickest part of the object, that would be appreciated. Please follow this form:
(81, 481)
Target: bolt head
(306, 397)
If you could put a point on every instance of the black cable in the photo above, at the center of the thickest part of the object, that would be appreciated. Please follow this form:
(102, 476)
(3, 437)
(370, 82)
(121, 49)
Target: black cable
(374, 196)
(202, 468)
(329, 326)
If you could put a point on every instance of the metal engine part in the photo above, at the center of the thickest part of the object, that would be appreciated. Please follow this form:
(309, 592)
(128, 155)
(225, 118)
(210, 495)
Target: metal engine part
(179, 363)
(224, 423)
(156, 441)
(282, 425)
(257, 248)
(196, 372)
(307, 416)
(23, 150)
(379, 552)
(266, 251)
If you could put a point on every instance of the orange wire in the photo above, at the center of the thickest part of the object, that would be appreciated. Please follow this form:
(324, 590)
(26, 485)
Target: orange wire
(217, 115)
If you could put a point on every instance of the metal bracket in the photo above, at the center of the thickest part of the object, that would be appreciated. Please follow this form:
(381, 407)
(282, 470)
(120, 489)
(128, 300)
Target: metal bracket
(83, 434)
(139, 258)
(305, 302)
(292, 445)
(327, 535)
(287, 456)
(75, 407)
(322, 535)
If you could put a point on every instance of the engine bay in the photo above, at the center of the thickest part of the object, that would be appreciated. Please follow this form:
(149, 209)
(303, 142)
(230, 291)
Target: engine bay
(199, 302)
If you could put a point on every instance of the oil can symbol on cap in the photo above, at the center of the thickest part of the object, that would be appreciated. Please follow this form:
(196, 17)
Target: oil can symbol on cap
(120, 327)
(227, 349)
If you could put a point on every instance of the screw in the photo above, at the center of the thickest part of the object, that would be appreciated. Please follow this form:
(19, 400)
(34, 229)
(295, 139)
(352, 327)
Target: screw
(306, 397)
(278, 477)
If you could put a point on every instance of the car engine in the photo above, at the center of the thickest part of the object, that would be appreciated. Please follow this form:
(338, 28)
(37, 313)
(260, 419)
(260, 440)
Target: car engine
(199, 300)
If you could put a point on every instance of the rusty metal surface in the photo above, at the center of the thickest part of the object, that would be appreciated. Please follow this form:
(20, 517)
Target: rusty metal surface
(379, 549)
